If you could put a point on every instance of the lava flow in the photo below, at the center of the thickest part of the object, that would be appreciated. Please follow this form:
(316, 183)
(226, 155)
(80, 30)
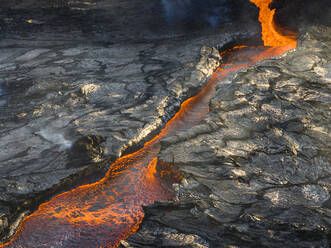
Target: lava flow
(270, 35)
(106, 212)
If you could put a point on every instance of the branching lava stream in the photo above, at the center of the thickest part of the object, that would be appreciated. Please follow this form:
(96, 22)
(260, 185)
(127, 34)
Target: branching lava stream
(106, 212)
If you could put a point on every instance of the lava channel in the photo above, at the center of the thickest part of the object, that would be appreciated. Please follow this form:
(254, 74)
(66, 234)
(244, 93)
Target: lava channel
(104, 213)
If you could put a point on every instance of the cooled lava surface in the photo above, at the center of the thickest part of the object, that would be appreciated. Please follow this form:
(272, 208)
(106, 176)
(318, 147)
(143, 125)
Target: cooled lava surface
(104, 213)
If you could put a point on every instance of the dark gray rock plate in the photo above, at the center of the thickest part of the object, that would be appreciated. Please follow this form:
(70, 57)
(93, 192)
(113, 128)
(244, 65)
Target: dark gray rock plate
(82, 85)
(257, 171)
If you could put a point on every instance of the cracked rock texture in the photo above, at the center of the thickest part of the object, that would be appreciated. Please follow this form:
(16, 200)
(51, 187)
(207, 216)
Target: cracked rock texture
(88, 82)
(257, 170)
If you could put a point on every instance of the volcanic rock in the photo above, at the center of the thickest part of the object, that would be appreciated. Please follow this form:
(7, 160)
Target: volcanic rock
(257, 170)
(84, 84)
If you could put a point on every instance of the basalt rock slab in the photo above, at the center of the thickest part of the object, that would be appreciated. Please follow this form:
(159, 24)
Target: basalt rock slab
(257, 170)
(79, 87)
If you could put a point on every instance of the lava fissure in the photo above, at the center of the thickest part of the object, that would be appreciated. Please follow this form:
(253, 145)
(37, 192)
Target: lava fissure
(102, 214)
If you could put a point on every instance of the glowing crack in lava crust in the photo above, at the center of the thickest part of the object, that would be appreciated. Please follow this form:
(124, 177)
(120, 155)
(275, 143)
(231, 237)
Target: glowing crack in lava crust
(108, 211)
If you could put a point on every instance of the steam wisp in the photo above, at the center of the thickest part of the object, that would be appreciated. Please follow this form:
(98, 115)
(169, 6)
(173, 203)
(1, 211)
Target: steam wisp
(212, 12)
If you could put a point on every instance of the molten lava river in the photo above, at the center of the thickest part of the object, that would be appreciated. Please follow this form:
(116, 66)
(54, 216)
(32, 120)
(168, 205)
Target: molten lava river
(104, 213)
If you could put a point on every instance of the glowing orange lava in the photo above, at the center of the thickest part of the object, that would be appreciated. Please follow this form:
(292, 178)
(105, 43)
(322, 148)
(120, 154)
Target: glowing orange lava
(270, 36)
(106, 212)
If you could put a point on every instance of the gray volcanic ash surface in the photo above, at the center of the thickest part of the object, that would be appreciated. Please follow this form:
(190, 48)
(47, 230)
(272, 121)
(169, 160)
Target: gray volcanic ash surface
(257, 170)
(84, 82)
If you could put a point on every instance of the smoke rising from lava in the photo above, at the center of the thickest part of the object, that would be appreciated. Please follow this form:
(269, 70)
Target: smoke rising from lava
(192, 11)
